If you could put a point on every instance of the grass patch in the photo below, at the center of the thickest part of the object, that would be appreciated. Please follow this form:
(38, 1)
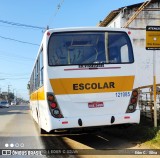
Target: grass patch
(155, 142)
(143, 133)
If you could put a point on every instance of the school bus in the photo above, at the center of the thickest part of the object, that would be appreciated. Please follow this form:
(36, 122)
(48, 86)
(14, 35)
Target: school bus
(84, 77)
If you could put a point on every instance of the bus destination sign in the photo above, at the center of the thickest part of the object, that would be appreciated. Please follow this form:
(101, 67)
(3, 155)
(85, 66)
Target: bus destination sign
(153, 37)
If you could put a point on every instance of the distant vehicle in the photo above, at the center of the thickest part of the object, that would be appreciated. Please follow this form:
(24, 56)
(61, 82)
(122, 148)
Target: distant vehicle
(13, 103)
(4, 104)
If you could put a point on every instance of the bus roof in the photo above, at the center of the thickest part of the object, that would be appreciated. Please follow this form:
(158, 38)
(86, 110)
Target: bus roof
(86, 29)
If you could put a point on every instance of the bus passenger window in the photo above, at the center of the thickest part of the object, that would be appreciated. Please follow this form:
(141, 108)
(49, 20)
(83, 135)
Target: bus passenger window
(41, 67)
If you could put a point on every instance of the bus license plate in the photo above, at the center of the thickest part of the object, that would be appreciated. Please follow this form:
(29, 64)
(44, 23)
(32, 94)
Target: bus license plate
(95, 104)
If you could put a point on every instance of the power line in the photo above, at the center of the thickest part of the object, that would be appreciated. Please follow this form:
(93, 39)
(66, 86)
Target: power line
(15, 78)
(15, 61)
(58, 7)
(56, 11)
(4, 75)
(21, 25)
(14, 57)
(7, 38)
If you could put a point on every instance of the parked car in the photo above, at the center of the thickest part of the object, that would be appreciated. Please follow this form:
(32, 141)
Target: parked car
(4, 104)
(13, 103)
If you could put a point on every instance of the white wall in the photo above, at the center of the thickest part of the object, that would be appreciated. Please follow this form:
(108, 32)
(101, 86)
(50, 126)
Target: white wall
(116, 23)
(144, 60)
(143, 57)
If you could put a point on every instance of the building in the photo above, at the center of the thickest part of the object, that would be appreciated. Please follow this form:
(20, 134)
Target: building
(135, 17)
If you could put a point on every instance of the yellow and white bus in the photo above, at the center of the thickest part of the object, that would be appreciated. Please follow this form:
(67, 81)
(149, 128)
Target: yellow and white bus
(84, 77)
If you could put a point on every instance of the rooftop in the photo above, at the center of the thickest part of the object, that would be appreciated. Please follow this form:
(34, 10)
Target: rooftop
(114, 13)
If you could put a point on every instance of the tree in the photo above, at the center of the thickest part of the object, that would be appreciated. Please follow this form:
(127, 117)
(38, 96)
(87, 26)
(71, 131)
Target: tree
(10, 97)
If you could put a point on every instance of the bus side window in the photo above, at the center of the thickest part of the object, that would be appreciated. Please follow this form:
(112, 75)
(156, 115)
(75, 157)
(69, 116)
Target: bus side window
(37, 74)
(31, 84)
(41, 67)
(34, 82)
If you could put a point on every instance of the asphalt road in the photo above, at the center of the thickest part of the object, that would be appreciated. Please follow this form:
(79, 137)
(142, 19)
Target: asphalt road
(18, 131)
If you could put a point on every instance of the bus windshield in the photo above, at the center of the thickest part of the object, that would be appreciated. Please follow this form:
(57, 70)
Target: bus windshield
(75, 48)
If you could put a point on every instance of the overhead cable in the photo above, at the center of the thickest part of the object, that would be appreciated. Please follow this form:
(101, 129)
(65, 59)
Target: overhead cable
(21, 25)
(56, 11)
(7, 38)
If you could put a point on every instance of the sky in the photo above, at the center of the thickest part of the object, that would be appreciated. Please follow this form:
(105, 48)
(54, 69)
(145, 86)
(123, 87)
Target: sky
(19, 45)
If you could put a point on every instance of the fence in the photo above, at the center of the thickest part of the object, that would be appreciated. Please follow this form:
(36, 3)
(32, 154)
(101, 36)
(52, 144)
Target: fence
(146, 101)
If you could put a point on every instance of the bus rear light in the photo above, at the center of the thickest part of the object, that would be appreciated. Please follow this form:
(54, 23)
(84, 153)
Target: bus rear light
(48, 33)
(126, 117)
(133, 102)
(50, 97)
(129, 32)
(53, 105)
(65, 122)
(56, 112)
(135, 93)
(131, 107)
(60, 116)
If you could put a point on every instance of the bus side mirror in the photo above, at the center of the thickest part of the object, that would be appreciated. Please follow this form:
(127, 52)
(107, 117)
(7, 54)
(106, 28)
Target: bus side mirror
(28, 86)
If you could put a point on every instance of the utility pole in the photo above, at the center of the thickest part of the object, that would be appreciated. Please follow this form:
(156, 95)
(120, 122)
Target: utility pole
(13, 94)
(8, 91)
(9, 88)
(0, 93)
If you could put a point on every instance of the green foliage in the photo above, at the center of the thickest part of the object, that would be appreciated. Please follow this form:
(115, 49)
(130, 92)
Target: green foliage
(156, 140)
(144, 133)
